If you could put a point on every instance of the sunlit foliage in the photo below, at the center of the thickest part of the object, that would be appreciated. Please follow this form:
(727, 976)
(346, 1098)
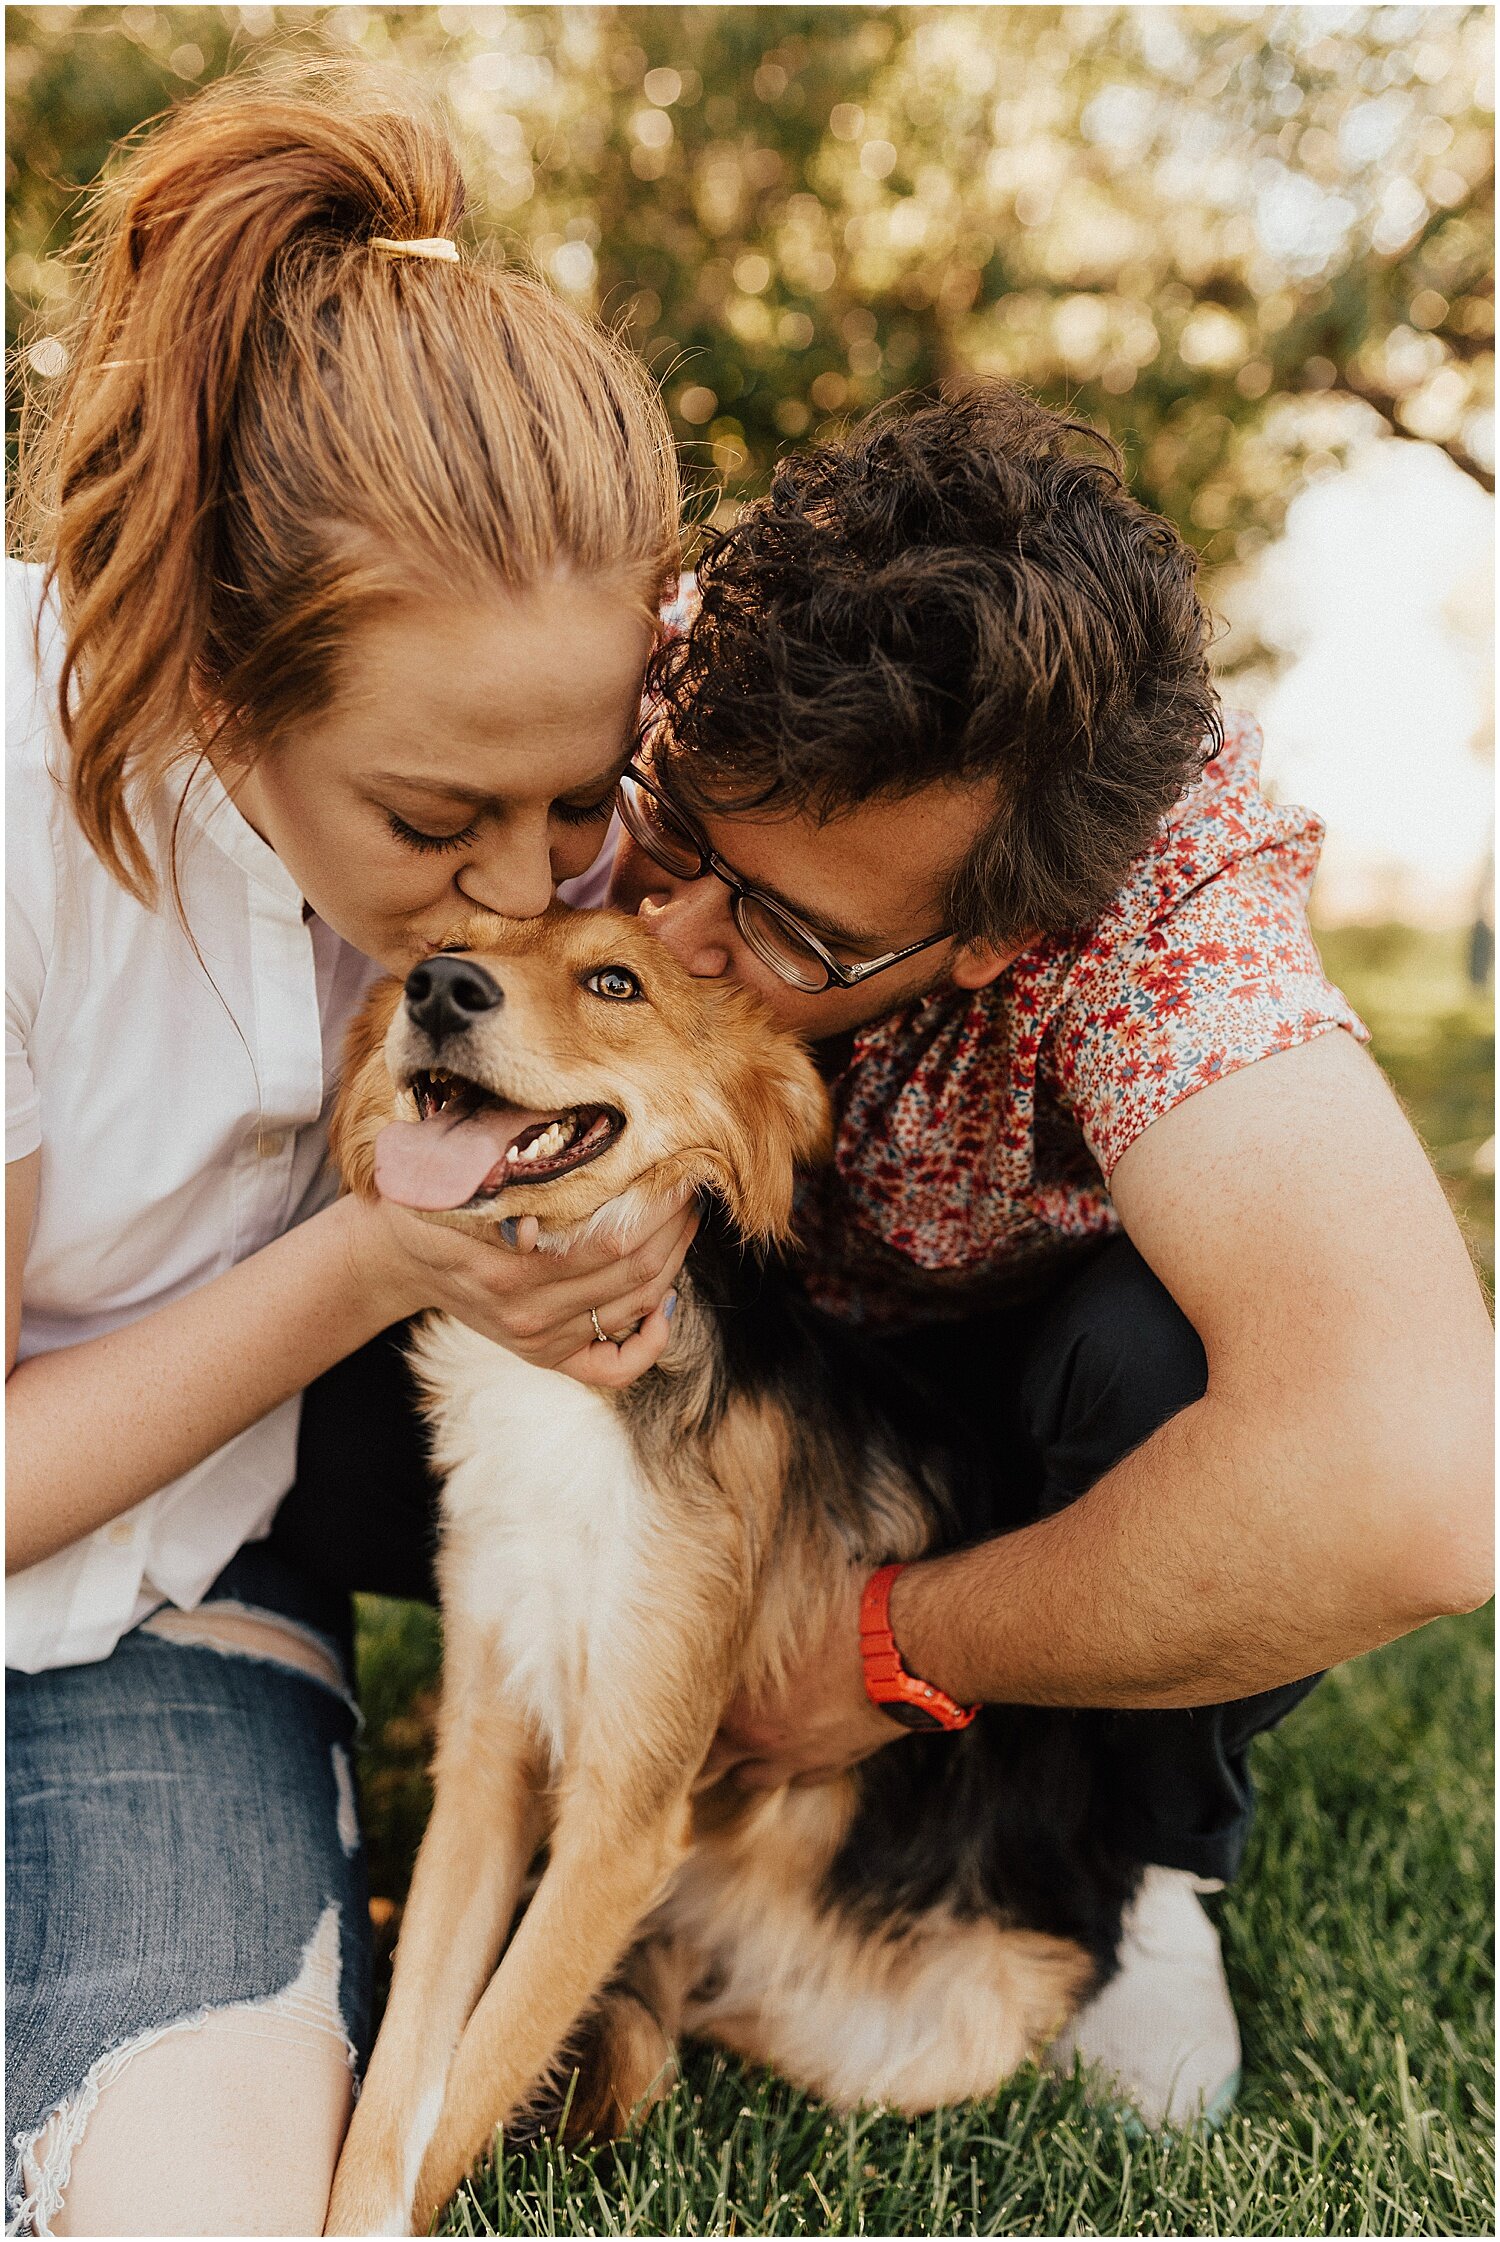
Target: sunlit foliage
(1239, 238)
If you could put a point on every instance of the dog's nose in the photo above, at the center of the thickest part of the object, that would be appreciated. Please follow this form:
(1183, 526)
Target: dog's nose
(444, 995)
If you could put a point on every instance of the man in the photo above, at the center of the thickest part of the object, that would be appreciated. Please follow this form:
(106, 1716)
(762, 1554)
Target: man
(1111, 1170)
(1112, 1174)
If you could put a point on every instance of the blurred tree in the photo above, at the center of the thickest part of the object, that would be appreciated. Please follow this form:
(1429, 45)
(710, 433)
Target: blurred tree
(1240, 239)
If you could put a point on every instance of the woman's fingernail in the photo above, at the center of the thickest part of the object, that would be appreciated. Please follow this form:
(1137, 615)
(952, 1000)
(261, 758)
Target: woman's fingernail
(510, 1229)
(669, 1306)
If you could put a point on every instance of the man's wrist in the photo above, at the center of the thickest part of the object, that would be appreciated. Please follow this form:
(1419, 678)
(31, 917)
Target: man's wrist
(892, 1681)
(917, 1620)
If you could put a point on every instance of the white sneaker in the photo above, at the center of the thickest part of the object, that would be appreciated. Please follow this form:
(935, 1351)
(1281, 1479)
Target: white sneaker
(1163, 2031)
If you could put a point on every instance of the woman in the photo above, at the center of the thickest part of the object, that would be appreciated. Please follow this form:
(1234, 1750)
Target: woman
(352, 553)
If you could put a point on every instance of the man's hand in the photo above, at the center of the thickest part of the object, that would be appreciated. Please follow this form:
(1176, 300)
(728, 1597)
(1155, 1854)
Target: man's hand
(820, 1723)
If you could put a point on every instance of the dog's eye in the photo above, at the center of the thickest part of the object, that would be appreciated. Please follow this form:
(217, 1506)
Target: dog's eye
(614, 982)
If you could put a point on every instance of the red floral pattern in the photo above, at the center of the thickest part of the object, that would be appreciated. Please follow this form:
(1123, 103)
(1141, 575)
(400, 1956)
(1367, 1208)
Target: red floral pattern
(976, 1131)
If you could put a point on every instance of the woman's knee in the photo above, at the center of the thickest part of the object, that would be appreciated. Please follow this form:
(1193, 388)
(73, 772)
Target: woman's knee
(229, 2124)
(190, 1801)
(228, 2121)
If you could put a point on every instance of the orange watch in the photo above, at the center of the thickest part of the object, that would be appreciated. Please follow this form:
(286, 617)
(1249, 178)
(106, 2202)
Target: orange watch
(916, 1704)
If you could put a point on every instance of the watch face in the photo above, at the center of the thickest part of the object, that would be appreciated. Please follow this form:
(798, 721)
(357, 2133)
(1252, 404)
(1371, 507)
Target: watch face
(911, 1716)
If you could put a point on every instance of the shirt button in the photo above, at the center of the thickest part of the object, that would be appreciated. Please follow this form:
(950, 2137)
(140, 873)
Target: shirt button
(270, 1143)
(122, 1530)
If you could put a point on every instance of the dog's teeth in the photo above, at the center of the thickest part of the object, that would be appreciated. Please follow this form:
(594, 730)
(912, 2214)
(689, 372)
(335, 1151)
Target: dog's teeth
(557, 1137)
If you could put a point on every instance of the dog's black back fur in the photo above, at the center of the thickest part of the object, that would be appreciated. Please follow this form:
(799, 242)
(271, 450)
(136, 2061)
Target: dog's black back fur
(1004, 1817)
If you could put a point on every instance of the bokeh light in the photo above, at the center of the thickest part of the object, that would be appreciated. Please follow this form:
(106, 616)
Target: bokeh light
(1252, 243)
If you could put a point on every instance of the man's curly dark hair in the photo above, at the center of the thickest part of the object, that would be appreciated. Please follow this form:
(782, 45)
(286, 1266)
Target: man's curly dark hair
(963, 590)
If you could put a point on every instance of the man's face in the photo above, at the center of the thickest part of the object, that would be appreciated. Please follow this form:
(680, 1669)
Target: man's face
(866, 882)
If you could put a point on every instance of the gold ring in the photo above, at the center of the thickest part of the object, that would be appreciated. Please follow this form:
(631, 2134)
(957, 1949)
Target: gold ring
(599, 1332)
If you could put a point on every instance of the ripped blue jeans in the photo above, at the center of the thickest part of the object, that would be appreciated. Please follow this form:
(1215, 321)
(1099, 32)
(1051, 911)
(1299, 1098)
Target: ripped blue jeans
(181, 1838)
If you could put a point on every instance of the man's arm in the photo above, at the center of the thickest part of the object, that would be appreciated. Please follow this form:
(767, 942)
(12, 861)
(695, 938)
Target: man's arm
(1332, 1489)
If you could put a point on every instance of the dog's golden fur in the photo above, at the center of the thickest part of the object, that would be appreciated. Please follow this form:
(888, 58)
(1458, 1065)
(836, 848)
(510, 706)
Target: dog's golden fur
(614, 1568)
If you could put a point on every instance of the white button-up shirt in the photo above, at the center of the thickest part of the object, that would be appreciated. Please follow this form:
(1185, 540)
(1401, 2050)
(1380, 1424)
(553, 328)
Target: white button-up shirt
(180, 1102)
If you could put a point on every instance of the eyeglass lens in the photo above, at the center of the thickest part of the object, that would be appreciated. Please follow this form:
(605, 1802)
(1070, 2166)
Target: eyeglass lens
(779, 946)
(659, 832)
(679, 851)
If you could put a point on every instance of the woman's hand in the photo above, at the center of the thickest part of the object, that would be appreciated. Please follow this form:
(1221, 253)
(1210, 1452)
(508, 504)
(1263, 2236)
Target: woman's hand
(536, 1304)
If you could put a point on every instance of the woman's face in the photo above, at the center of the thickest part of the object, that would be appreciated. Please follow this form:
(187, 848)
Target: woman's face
(469, 759)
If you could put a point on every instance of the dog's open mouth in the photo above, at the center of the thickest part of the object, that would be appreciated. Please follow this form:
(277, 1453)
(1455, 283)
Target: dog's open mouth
(468, 1144)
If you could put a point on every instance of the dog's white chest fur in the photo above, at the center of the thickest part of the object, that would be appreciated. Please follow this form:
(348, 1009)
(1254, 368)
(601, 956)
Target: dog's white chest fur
(545, 1520)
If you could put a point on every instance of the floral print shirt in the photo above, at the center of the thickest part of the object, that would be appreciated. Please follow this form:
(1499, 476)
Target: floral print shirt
(976, 1131)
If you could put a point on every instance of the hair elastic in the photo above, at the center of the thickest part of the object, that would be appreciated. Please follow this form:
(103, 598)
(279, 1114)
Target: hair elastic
(436, 246)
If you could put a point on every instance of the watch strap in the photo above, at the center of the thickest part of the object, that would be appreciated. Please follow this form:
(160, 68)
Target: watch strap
(888, 1684)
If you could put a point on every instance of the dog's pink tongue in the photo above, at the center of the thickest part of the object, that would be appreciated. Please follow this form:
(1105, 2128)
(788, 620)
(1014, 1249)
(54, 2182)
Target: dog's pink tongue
(438, 1163)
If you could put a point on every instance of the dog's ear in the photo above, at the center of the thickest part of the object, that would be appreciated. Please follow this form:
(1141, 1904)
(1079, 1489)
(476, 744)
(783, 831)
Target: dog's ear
(779, 1120)
(366, 1099)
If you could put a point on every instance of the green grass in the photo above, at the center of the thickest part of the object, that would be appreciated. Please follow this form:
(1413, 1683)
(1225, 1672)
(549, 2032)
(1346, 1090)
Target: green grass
(1435, 1036)
(1358, 1940)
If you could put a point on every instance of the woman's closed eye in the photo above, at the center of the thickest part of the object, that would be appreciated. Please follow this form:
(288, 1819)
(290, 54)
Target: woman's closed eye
(584, 813)
(433, 843)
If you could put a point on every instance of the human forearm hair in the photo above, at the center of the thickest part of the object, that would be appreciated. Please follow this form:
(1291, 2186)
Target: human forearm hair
(1333, 1488)
(1222, 1558)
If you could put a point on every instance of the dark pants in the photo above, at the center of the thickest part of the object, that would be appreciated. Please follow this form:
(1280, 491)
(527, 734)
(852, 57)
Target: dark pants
(1056, 1393)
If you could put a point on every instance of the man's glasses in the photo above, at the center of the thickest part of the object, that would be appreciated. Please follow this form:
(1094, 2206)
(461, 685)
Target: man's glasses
(778, 938)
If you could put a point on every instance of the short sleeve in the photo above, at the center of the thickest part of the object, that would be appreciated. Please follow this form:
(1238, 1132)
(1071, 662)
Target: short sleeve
(30, 863)
(1227, 976)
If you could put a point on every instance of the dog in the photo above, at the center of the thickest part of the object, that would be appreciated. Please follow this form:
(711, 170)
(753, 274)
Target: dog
(616, 1565)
